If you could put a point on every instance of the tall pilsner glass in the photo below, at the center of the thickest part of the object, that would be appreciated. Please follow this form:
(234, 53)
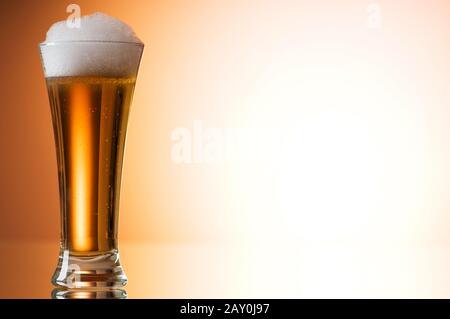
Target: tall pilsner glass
(90, 107)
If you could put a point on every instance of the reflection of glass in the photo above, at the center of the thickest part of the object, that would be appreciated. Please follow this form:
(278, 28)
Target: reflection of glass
(90, 115)
(59, 293)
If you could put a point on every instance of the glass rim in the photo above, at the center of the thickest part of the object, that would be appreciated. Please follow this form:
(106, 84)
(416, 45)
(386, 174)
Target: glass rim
(56, 43)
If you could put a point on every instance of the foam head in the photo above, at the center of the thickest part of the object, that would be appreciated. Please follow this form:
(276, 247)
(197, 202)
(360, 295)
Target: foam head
(102, 46)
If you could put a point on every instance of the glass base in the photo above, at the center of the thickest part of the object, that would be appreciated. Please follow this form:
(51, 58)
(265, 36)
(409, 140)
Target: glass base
(61, 293)
(85, 272)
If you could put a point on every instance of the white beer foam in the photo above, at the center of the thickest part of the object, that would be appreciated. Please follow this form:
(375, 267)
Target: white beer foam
(102, 46)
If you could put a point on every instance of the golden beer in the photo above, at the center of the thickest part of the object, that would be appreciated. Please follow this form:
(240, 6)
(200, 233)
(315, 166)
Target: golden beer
(90, 116)
(90, 73)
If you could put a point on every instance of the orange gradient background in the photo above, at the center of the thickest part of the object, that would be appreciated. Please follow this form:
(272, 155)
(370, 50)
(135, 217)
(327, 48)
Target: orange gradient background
(358, 206)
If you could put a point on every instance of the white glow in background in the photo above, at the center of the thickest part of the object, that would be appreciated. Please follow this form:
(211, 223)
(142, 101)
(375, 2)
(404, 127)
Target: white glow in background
(358, 204)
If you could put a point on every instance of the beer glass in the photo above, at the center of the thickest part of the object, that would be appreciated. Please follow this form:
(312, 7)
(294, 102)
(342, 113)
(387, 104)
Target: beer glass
(90, 95)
